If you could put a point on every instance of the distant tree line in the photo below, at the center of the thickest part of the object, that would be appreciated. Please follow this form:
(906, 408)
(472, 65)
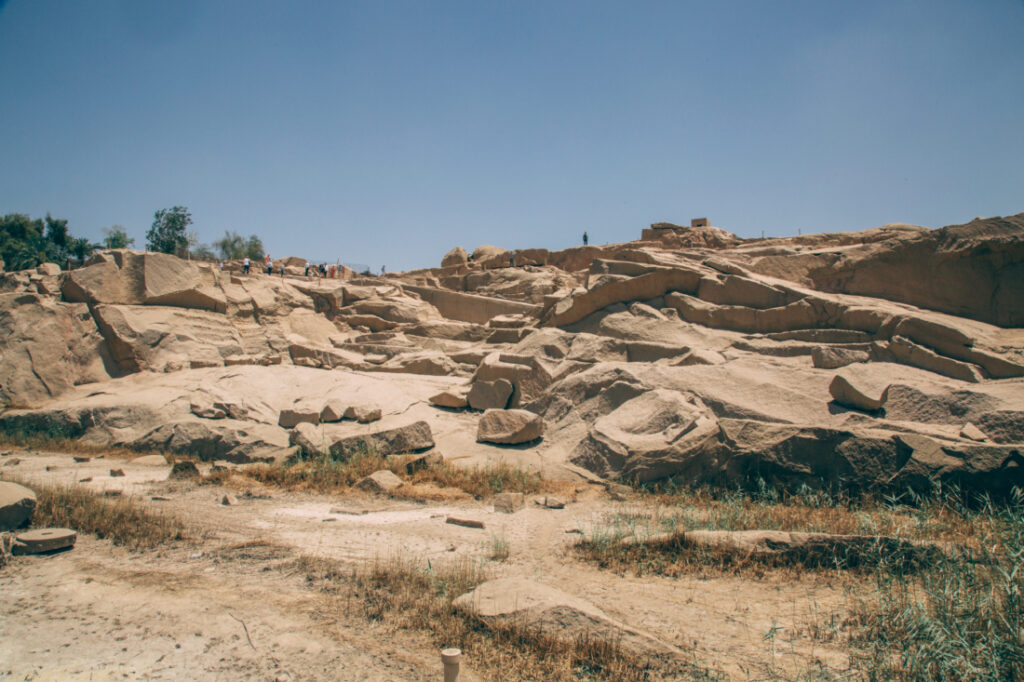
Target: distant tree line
(169, 234)
(25, 243)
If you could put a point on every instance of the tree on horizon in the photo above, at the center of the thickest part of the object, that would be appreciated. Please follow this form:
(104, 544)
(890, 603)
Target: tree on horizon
(169, 233)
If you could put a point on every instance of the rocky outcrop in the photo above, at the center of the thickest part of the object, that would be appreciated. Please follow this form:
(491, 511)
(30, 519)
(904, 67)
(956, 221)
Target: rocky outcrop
(975, 270)
(694, 355)
(455, 257)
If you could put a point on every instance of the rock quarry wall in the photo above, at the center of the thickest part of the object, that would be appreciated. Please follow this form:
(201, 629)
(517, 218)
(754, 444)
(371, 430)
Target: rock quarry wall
(884, 359)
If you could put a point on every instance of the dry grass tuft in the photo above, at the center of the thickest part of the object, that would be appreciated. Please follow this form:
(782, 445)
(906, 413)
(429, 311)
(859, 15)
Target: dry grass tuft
(442, 481)
(404, 594)
(940, 518)
(120, 520)
(957, 616)
(44, 442)
(962, 618)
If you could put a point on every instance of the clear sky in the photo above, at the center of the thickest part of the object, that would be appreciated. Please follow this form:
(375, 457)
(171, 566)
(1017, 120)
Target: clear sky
(387, 132)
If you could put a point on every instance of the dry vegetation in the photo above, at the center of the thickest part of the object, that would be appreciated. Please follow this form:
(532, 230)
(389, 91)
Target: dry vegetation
(120, 520)
(55, 441)
(957, 616)
(327, 474)
(404, 594)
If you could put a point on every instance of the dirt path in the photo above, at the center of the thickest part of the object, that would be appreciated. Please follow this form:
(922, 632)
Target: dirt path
(103, 612)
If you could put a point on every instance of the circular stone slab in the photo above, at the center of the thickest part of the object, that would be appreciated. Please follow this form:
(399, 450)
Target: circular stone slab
(45, 540)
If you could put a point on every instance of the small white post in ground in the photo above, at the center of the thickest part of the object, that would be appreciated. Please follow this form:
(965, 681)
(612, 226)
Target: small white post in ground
(450, 658)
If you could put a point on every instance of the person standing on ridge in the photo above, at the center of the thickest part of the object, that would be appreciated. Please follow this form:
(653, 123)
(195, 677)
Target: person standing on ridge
(586, 239)
(245, 265)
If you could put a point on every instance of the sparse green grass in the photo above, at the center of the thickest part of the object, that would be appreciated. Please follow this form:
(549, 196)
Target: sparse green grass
(120, 520)
(500, 548)
(959, 619)
(939, 518)
(957, 616)
(406, 594)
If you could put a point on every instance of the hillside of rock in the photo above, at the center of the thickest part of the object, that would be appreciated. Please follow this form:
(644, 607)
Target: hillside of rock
(887, 358)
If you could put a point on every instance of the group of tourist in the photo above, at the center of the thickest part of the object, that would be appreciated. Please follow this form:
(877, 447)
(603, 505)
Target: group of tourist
(322, 270)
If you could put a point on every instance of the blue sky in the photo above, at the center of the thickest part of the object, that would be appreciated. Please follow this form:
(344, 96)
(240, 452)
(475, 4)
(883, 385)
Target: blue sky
(385, 132)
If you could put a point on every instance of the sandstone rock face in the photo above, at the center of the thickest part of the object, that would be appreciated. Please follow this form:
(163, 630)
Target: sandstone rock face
(974, 270)
(509, 427)
(873, 360)
(17, 503)
(46, 348)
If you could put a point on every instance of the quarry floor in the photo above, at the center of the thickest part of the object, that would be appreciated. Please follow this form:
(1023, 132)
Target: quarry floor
(232, 605)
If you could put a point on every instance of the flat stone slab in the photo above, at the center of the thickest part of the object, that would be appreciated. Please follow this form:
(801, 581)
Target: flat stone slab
(553, 612)
(43, 540)
(150, 461)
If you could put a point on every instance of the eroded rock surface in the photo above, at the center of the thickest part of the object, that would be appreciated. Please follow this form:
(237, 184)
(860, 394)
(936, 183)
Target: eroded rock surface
(876, 359)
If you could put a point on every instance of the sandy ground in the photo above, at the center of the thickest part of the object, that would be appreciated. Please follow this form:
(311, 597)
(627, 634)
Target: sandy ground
(230, 609)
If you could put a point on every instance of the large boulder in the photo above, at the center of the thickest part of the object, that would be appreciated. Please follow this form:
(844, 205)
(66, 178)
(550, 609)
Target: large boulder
(130, 277)
(859, 392)
(509, 427)
(651, 436)
(401, 440)
(489, 395)
(395, 309)
(163, 339)
(17, 503)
